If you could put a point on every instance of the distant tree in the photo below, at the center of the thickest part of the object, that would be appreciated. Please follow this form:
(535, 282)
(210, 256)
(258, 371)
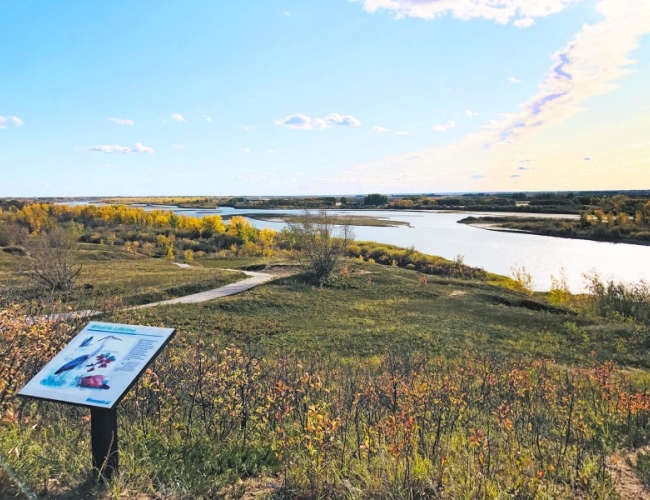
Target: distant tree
(375, 199)
(344, 200)
(322, 243)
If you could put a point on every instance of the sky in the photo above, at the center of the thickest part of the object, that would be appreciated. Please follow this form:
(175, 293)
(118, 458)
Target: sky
(288, 97)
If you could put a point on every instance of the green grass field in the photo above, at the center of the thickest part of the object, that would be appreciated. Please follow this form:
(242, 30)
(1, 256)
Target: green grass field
(210, 416)
(379, 307)
(110, 272)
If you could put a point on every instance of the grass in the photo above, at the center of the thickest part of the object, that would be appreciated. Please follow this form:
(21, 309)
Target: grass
(382, 306)
(110, 272)
(309, 394)
(643, 468)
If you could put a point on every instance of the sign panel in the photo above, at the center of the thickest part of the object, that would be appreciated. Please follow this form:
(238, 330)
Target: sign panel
(99, 365)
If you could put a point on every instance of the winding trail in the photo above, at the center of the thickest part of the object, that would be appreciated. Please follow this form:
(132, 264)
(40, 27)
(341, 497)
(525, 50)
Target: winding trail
(254, 279)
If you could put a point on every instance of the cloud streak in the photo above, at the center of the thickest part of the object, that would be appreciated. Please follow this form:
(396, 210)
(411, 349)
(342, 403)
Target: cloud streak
(178, 117)
(10, 120)
(444, 127)
(299, 121)
(122, 121)
(499, 11)
(590, 65)
(138, 147)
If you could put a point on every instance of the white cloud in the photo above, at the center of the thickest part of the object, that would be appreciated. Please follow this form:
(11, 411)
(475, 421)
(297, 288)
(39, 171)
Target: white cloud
(271, 151)
(14, 120)
(122, 121)
(591, 64)
(445, 126)
(471, 114)
(178, 147)
(206, 118)
(141, 148)
(138, 147)
(248, 128)
(178, 117)
(512, 79)
(246, 150)
(402, 132)
(287, 13)
(526, 22)
(500, 11)
(588, 66)
(379, 129)
(345, 120)
(302, 122)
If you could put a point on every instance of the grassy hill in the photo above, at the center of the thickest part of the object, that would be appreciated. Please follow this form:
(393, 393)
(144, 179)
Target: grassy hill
(380, 383)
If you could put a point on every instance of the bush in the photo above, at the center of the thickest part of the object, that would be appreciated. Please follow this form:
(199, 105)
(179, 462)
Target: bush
(620, 300)
(12, 235)
(322, 243)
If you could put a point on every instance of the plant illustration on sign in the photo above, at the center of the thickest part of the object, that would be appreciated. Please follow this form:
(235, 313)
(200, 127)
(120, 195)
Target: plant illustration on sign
(102, 361)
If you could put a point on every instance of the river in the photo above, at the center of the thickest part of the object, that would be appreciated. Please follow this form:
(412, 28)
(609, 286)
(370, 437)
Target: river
(438, 233)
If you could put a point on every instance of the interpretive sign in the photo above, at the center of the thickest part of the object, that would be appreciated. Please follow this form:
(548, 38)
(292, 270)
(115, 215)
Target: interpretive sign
(99, 365)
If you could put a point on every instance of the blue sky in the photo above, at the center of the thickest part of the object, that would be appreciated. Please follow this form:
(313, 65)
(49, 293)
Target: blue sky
(323, 97)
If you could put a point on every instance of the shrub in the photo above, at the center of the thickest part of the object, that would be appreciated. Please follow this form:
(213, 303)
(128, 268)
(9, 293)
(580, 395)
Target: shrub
(620, 300)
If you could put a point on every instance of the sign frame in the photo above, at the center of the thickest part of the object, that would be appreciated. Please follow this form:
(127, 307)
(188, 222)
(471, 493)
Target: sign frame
(110, 329)
(103, 418)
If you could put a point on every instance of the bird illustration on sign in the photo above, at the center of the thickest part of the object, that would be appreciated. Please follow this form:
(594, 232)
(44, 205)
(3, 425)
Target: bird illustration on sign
(99, 358)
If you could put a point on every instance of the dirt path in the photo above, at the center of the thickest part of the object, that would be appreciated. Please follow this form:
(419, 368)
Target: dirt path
(254, 279)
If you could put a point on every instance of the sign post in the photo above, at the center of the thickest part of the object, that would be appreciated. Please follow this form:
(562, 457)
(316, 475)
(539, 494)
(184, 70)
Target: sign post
(96, 370)
(103, 432)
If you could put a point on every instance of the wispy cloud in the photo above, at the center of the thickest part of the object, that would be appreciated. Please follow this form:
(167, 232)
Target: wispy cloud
(287, 13)
(178, 147)
(299, 121)
(10, 120)
(271, 151)
(248, 128)
(471, 114)
(345, 120)
(444, 127)
(402, 132)
(591, 64)
(478, 176)
(512, 79)
(178, 117)
(379, 129)
(138, 147)
(500, 11)
(588, 66)
(207, 118)
(122, 121)
(526, 22)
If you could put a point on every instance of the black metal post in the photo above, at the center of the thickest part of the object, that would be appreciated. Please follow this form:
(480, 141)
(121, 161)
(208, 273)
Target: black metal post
(103, 430)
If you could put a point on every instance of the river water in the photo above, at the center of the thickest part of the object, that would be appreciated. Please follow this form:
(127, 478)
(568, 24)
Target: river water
(438, 233)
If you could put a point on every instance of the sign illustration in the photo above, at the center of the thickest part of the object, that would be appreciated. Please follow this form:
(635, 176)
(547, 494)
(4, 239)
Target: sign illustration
(99, 365)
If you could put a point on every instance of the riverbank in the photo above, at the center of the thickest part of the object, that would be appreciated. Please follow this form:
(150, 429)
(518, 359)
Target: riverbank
(564, 228)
